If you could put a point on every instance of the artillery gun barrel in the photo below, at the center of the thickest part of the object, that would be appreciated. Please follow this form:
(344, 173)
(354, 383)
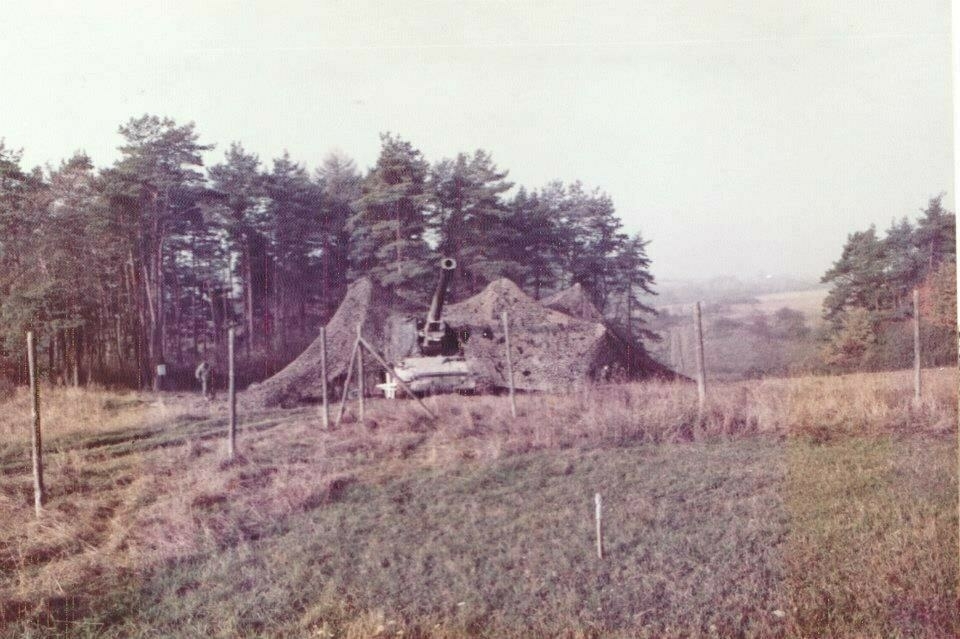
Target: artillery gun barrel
(447, 266)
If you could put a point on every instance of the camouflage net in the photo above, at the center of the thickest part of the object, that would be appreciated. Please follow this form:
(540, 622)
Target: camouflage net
(574, 301)
(552, 348)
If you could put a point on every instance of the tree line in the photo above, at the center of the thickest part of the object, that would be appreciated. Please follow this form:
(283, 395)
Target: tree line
(871, 295)
(150, 260)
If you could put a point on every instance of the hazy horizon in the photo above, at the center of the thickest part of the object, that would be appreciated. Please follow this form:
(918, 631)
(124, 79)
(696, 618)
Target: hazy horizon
(739, 141)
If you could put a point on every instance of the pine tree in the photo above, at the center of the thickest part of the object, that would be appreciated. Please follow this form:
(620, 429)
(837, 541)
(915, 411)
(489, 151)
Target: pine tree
(903, 265)
(389, 226)
(339, 181)
(536, 241)
(158, 171)
(596, 240)
(23, 200)
(64, 247)
(240, 199)
(630, 280)
(470, 220)
(294, 219)
(936, 234)
(858, 277)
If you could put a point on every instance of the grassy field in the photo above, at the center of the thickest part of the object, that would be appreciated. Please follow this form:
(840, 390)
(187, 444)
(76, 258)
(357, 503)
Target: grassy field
(809, 302)
(793, 508)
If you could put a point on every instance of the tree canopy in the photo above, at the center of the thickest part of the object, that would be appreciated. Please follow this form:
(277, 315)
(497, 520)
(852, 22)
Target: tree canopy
(872, 282)
(150, 260)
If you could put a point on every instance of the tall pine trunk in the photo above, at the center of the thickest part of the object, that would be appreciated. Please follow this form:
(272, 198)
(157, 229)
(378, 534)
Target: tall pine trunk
(158, 301)
(150, 329)
(177, 315)
(280, 321)
(139, 329)
(52, 358)
(62, 363)
(77, 355)
(248, 290)
(269, 324)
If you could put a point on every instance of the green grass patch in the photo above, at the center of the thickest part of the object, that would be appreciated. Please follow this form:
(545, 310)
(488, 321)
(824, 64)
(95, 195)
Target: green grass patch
(873, 543)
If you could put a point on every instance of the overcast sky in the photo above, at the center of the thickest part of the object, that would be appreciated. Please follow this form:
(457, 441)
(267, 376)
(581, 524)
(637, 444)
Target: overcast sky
(739, 137)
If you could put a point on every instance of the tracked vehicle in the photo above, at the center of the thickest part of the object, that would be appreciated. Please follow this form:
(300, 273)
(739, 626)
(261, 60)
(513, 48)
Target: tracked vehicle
(440, 367)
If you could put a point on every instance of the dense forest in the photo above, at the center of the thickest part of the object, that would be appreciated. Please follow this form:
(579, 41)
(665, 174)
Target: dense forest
(150, 260)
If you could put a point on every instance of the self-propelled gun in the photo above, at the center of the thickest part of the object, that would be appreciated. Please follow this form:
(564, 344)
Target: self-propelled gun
(440, 366)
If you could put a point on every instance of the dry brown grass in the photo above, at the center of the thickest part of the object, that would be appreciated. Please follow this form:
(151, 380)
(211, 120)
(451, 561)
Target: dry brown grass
(656, 412)
(158, 489)
(644, 412)
(67, 411)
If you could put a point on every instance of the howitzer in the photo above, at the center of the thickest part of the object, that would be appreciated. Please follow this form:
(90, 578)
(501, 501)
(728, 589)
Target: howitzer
(447, 266)
(441, 367)
(434, 337)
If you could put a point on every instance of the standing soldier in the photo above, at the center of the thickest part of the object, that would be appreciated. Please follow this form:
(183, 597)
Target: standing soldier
(203, 376)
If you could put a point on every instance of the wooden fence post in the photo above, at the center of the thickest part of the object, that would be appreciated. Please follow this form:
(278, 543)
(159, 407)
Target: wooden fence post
(701, 369)
(232, 393)
(346, 383)
(360, 381)
(505, 318)
(599, 519)
(323, 373)
(37, 443)
(916, 347)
